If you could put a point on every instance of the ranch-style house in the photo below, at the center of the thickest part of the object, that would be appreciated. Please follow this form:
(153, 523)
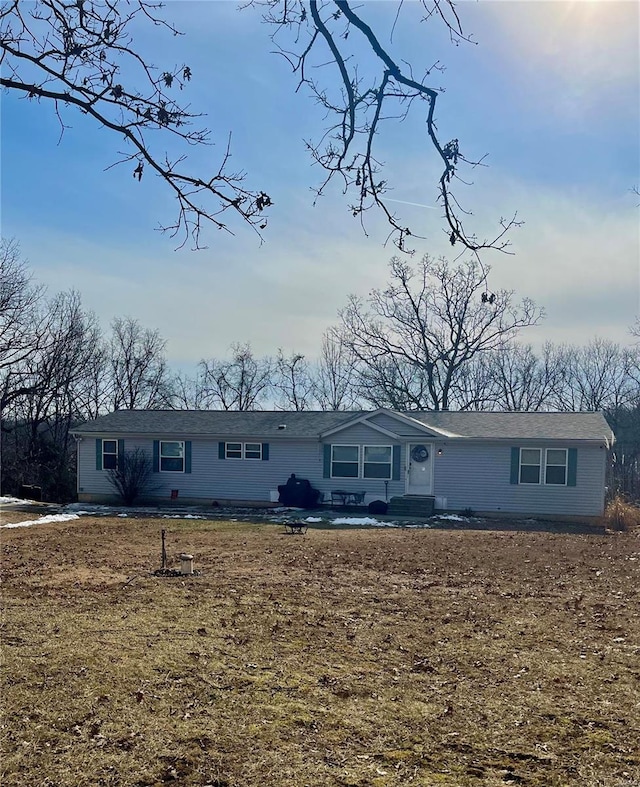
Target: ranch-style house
(529, 464)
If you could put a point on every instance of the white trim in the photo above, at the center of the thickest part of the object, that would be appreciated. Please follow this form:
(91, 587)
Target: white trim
(543, 451)
(539, 465)
(361, 461)
(431, 431)
(390, 463)
(243, 451)
(344, 445)
(251, 458)
(110, 453)
(183, 457)
(566, 466)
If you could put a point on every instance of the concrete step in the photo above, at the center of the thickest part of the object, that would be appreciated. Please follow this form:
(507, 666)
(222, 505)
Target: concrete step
(412, 505)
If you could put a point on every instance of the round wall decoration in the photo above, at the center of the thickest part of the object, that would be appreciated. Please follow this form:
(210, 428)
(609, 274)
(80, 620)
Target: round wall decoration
(419, 453)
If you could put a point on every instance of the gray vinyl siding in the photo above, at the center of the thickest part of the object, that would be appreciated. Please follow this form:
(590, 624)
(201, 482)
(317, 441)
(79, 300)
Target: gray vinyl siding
(478, 477)
(211, 477)
(359, 434)
(396, 426)
(375, 488)
(241, 479)
(468, 475)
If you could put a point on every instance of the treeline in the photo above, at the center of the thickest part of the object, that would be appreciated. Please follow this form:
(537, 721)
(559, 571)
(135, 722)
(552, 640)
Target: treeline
(435, 338)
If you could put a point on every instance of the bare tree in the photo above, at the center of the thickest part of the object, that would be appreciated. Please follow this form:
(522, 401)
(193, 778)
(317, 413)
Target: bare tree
(431, 320)
(41, 417)
(367, 87)
(23, 324)
(593, 377)
(239, 383)
(524, 380)
(139, 375)
(634, 358)
(392, 382)
(187, 393)
(81, 56)
(292, 382)
(474, 386)
(334, 377)
(94, 390)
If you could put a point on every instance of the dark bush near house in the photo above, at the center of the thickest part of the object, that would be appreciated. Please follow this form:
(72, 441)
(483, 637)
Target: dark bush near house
(132, 477)
(378, 507)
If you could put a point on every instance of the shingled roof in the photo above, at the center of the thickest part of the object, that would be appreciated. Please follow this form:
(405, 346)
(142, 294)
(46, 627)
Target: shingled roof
(255, 423)
(516, 426)
(312, 424)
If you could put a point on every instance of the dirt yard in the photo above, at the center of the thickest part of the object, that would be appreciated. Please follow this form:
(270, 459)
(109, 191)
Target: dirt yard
(370, 657)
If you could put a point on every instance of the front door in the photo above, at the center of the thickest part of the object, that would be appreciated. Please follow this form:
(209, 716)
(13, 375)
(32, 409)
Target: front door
(419, 462)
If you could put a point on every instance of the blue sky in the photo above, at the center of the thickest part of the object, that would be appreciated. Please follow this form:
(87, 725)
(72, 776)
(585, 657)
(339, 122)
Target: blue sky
(550, 92)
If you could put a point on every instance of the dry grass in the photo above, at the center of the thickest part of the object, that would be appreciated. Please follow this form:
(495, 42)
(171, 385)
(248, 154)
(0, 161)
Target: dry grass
(621, 515)
(364, 657)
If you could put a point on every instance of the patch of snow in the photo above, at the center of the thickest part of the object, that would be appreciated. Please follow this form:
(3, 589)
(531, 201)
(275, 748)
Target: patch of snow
(357, 520)
(451, 517)
(88, 508)
(180, 516)
(313, 519)
(8, 500)
(44, 520)
(122, 515)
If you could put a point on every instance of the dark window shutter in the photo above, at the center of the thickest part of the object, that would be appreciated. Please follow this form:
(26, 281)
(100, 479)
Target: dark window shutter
(265, 452)
(515, 465)
(121, 455)
(187, 456)
(221, 451)
(156, 456)
(98, 454)
(572, 466)
(395, 472)
(326, 470)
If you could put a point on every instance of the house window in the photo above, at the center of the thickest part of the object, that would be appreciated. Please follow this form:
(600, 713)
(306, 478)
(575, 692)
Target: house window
(243, 451)
(377, 461)
(253, 450)
(555, 471)
(530, 463)
(345, 461)
(233, 451)
(109, 454)
(172, 456)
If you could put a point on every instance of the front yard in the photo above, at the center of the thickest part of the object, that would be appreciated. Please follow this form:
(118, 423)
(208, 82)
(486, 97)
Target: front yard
(344, 657)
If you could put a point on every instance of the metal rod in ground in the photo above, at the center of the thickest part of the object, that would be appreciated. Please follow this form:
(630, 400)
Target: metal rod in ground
(164, 551)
